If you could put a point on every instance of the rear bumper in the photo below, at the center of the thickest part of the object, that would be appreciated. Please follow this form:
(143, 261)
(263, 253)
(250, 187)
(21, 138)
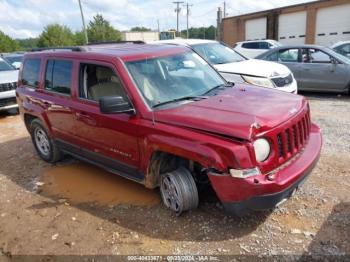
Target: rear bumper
(258, 192)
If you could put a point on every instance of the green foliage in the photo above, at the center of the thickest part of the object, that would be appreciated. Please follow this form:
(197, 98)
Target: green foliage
(100, 30)
(79, 37)
(7, 44)
(28, 43)
(56, 35)
(140, 29)
(200, 32)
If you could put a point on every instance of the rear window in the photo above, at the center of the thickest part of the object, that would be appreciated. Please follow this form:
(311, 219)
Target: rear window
(58, 76)
(31, 69)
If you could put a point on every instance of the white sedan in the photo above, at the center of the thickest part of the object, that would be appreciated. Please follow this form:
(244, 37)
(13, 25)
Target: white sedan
(236, 68)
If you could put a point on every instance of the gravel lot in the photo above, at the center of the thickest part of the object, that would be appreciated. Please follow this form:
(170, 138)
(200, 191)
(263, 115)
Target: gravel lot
(74, 208)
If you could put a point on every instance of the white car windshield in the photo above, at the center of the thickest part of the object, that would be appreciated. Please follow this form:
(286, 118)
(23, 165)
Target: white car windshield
(165, 79)
(217, 53)
(5, 66)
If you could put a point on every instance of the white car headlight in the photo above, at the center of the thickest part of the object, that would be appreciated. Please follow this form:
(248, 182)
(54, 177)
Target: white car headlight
(259, 81)
(262, 149)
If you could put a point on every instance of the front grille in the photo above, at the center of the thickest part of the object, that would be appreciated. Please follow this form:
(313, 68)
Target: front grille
(8, 101)
(8, 86)
(293, 138)
(283, 81)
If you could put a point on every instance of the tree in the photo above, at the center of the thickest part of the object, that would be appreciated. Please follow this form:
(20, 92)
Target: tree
(56, 35)
(140, 29)
(200, 32)
(28, 43)
(7, 44)
(79, 37)
(100, 30)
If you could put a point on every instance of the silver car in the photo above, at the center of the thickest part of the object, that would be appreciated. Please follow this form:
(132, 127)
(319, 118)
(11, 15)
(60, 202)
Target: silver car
(315, 68)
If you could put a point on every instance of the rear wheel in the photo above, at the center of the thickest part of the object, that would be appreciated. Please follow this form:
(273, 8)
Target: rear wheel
(179, 191)
(44, 145)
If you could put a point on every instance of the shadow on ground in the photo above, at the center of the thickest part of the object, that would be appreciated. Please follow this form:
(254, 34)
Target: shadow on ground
(207, 223)
(331, 242)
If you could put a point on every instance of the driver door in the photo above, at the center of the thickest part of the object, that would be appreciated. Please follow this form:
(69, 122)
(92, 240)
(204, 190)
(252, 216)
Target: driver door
(109, 140)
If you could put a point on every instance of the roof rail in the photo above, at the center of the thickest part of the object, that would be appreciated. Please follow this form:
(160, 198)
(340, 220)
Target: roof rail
(117, 42)
(71, 48)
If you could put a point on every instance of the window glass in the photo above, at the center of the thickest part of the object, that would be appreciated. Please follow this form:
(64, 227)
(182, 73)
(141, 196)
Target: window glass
(251, 45)
(288, 55)
(58, 76)
(164, 79)
(31, 69)
(344, 49)
(217, 53)
(97, 81)
(273, 57)
(4, 66)
(317, 56)
(264, 45)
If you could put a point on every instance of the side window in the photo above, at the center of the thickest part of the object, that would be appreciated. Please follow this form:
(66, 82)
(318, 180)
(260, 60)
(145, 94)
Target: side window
(288, 55)
(97, 81)
(318, 57)
(251, 45)
(31, 70)
(58, 76)
(264, 45)
(345, 49)
(272, 57)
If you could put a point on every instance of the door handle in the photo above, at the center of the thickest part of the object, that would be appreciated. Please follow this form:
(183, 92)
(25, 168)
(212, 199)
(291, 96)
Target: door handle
(86, 118)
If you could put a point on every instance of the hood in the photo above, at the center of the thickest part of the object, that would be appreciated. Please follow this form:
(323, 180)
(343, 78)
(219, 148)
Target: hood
(254, 67)
(233, 111)
(8, 76)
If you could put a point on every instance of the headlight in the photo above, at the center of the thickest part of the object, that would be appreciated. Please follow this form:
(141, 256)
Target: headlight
(262, 149)
(259, 81)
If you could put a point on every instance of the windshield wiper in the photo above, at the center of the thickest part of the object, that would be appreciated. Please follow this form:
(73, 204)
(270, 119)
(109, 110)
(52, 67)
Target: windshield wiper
(222, 86)
(180, 99)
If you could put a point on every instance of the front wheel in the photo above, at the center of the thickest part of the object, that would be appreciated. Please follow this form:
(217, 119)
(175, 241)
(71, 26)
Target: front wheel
(179, 191)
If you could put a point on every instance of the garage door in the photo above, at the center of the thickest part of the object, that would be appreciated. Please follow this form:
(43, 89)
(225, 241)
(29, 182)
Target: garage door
(333, 24)
(292, 28)
(255, 29)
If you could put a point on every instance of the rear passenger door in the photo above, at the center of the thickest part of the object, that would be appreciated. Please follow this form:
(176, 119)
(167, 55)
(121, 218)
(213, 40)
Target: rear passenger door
(109, 140)
(56, 97)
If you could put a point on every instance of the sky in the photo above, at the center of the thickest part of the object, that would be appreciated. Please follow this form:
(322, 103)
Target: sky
(27, 18)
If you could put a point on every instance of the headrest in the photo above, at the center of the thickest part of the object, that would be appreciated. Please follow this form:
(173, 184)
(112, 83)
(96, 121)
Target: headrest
(103, 73)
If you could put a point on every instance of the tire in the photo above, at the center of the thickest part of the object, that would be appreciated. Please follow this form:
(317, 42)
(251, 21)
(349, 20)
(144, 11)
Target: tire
(44, 145)
(179, 191)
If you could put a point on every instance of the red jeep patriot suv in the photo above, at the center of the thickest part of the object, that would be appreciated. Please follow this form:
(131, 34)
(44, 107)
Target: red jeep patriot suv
(162, 116)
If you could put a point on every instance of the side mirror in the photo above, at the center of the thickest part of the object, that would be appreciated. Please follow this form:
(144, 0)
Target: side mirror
(115, 105)
(334, 61)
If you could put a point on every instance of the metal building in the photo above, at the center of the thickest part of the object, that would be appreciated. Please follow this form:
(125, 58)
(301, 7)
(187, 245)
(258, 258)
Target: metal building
(321, 22)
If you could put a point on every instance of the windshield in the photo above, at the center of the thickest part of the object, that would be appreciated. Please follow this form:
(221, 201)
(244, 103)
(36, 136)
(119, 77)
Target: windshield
(217, 53)
(5, 66)
(13, 59)
(177, 76)
(342, 58)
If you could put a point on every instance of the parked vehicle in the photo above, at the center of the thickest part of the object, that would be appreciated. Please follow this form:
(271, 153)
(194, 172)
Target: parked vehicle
(252, 49)
(14, 59)
(8, 84)
(315, 68)
(238, 69)
(342, 47)
(162, 116)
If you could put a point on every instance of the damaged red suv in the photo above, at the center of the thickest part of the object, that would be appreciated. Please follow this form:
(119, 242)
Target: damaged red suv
(162, 116)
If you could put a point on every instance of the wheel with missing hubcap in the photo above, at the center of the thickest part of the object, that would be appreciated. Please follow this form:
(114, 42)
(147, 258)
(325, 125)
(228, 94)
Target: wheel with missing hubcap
(179, 191)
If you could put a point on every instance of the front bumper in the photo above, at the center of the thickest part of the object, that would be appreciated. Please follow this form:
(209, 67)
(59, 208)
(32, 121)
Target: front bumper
(260, 193)
(8, 100)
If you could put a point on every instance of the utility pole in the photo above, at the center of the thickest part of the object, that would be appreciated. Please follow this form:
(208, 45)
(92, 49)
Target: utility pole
(177, 10)
(224, 9)
(187, 14)
(218, 24)
(82, 18)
